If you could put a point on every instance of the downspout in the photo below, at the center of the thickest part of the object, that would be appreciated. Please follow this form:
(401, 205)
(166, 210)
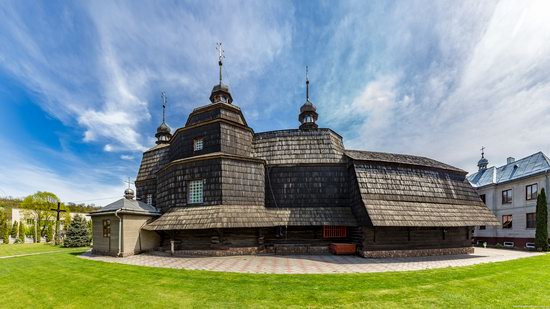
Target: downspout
(119, 232)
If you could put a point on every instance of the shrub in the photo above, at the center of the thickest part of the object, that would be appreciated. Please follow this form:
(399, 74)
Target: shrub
(541, 234)
(77, 233)
(49, 233)
(21, 238)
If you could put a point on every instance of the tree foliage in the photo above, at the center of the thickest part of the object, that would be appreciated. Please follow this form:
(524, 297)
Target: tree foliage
(14, 229)
(77, 233)
(49, 232)
(22, 230)
(541, 234)
(40, 205)
(6, 232)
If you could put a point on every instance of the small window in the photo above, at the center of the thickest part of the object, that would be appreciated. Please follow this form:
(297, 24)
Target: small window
(330, 231)
(507, 196)
(195, 192)
(482, 197)
(531, 220)
(482, 227)
(106, 228)
(30, 221)
(198, 144)
(150, 199)
(507, 221)
(531, 192)
(308, 118)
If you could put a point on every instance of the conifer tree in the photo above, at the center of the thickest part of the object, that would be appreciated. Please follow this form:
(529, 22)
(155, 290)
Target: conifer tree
(77, 233)
(21, 232)
(49, 232)
(14, 230)
(5, 233)
(541, 234)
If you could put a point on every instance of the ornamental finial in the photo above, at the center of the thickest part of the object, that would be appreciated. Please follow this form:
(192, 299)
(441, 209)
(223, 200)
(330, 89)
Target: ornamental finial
(164, 100)
(221, 56)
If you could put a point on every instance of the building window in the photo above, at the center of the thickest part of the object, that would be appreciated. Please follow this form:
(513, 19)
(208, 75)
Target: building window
(482, 227)
(507, 221)
(482, 198)
(507, 196)
(531, 192)
(330, 231)
(308, 118)
(106, 228)
(531, 220)
(198, 144)
(150, 199)
(195, 193)
(30, 221)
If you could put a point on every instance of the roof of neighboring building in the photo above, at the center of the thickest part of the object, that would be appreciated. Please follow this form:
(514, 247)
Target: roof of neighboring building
(128, 206)
(406, 195)
(531, 165)
(299, 146)
(227, 216)
(153, 159)
(405, 159)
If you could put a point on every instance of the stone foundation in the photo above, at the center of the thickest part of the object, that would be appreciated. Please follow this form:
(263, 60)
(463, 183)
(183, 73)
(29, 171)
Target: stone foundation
(416, 252)
(220, 252)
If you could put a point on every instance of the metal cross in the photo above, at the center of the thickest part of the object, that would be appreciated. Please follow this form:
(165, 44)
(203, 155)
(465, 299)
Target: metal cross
(482, 151)
(164, 100)
(128, 182)
(220, 51)
(57, 235)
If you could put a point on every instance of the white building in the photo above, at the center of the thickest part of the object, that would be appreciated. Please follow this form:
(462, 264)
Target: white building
(510, 191)
(27, 216)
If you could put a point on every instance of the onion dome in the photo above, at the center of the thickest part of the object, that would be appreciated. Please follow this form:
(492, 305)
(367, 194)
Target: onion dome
(221, 94)
(308, 112)
(164, 134)
(129, 194)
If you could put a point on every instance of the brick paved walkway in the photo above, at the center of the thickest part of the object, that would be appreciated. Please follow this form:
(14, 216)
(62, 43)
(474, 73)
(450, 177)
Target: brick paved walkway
(319, 264)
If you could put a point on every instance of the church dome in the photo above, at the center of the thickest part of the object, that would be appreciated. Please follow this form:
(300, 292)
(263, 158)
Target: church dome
(221, 94)
(163, 133)
(164, 128)
(129, 194)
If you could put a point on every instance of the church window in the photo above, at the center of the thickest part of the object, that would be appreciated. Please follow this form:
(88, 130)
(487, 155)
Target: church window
(308, 118)
(198, 144)
(150, 199)
(107, 228)
(195, 192)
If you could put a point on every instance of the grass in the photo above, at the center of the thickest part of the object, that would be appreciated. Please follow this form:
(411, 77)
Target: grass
(8, 250)
(64, 280)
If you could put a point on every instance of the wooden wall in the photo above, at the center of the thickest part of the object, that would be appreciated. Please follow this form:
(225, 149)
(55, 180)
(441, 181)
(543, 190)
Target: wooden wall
(242, 182)
(181, 145)
(402, 238)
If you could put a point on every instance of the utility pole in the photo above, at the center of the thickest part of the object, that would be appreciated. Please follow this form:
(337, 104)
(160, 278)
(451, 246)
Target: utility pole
(58, 210)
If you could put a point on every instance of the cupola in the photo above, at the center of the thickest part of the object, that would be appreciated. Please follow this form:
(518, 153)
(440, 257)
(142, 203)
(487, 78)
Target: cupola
(483, 162)
(164, 133)
(308, 112)
(220, 93)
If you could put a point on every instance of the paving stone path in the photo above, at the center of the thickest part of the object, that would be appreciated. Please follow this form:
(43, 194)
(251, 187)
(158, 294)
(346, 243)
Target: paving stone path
(313, 264)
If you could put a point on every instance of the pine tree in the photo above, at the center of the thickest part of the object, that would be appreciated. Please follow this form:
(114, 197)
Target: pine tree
(541, 234)
(77, 233)
(21, 232)
(6, 233)
(14, 230)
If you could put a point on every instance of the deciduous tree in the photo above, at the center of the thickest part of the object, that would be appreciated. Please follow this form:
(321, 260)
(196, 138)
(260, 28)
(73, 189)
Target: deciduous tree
(40, 205)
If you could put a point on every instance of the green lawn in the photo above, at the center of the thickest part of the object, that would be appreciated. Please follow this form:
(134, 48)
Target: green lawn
(64, 280)
(8, 250)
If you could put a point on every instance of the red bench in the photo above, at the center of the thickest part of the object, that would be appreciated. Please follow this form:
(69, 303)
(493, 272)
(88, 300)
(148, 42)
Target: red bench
(342, 248)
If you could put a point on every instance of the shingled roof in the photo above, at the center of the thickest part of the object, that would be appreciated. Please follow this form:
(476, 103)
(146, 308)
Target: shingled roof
(230, 216)
(408, 195)
(299, 146)
(153, 159)
(396, 158)
(125, 205)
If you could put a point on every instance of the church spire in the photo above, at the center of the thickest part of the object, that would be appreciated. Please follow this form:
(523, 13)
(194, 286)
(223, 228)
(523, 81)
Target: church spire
(220, 93)
(308, 112)
(163, 131)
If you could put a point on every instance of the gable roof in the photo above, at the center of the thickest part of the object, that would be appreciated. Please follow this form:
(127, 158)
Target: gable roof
(530, 165)
(406, 195)
(396, 158)
(299, 146)
(128, 206)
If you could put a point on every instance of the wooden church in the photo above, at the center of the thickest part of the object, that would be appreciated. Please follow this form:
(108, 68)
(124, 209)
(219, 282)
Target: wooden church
(216, 187)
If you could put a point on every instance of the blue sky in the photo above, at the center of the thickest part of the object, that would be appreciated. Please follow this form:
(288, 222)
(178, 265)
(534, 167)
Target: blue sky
(80, 81)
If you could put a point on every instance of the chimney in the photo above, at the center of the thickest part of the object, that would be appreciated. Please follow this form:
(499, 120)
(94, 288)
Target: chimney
(510, 160)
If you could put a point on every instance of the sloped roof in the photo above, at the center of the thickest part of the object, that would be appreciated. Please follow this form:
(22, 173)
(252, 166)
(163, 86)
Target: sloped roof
(233, 216)
(360, 155)
(128, 206)
(531, 165)
(153, 159)
(406, 195)
(299, 146)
